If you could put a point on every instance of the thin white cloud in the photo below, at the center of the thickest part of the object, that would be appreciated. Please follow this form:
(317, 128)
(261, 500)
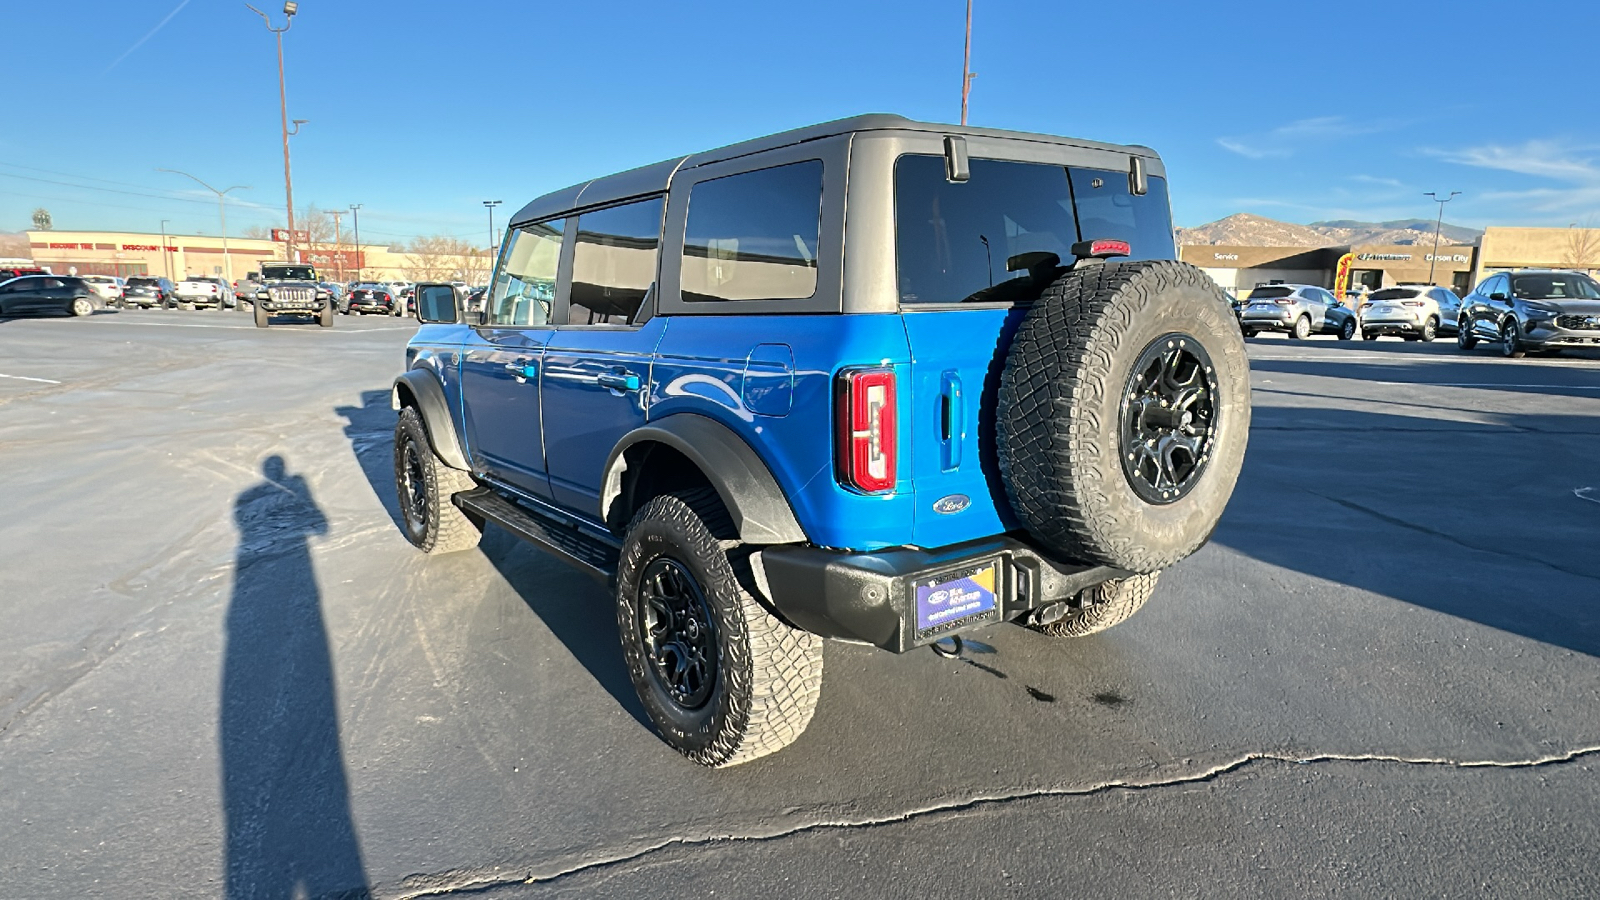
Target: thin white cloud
(1280, 142)
(140, 43)
(1248, 151)
(1546, 159)
(1380, 182)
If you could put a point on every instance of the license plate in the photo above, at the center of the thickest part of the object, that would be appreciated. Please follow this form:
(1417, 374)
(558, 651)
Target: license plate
(1263, 307)
(954, 596)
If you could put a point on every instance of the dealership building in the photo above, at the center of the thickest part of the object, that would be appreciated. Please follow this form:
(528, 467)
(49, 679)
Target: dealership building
(178, 255)
(1240, 269)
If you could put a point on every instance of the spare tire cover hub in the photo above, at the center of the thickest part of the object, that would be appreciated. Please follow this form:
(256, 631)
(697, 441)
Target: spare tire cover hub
(1169, 418)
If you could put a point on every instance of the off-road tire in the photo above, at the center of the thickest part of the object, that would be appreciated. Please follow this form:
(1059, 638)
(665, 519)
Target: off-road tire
(1058, 425)
(325, 317)
(1301, 329)
(442, 527)
(768, 675)
(1102, 606)
(1465, 339)
(261, 316)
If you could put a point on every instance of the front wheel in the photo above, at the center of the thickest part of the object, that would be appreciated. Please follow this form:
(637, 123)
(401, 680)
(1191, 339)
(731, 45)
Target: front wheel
(261, 316)
(1102, 606)
(433, 523)
(325, 318)
(722, 679)
(1302, 328)
(1465, 339)
(1347, 331)
(1511, 345)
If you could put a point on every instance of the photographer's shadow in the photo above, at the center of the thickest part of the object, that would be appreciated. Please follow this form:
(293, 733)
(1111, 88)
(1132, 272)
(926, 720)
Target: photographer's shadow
(285, 794)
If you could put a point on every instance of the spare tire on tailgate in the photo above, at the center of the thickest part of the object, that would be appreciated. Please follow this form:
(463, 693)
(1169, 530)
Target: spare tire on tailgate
(1124, 409)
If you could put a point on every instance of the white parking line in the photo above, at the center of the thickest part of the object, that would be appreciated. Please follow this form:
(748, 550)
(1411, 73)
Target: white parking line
(26, 378)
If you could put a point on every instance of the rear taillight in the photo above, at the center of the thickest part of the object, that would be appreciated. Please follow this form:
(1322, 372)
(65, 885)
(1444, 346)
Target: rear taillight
(1366, 306)
(1412, 302)
(866, 430)
(1283, 301)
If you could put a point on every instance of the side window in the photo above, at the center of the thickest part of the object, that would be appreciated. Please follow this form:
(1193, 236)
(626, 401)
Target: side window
(753, 236)
(1499, 284)
(614, 263)
(525, 281)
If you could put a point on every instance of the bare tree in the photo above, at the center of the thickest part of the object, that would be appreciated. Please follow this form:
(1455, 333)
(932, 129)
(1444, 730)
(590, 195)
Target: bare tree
(444, 258)
(1582, 247)
(258, 232)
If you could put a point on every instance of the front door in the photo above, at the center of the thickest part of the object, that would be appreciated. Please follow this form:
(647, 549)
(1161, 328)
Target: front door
(597, 367)
(501, 361)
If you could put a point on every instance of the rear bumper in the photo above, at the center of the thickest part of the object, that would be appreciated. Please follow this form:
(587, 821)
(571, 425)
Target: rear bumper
(872, 597)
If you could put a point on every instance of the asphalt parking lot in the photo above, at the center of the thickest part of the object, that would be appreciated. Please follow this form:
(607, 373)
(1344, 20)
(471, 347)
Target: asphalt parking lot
(224, 672)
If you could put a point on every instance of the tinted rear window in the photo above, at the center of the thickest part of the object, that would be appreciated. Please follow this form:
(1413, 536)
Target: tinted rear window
(1394, 294)
(143, 282)
(1000, 236)
(1268, 293)
(753, 236)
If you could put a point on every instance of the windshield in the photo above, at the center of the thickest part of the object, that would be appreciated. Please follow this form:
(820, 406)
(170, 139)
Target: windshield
(142, 282)
(1002, 235)
(1393, 294)
(1554, 286)
(289, 273)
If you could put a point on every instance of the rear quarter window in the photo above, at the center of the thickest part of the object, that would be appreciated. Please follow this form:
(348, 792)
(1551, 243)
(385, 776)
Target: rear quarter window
(753, 236)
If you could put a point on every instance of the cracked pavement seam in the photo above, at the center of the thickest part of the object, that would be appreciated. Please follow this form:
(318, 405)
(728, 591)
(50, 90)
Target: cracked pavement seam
(466, 883)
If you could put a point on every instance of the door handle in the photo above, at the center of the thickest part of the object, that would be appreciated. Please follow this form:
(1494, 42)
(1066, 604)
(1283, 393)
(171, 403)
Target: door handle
(618, 381)
(523, 369)
(952, 420)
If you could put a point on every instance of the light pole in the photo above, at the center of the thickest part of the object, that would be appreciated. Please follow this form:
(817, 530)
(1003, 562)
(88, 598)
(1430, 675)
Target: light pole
(338, 244)
(966, 67)
(166, 261)
(289, 9)
(222, 210)
(491, 204)
(1438, 223)
(355, 215)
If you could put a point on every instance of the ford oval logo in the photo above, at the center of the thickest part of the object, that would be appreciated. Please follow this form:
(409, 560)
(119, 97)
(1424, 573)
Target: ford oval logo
(953, 503)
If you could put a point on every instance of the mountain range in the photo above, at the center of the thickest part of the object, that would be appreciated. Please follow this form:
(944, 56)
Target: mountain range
(1244, 229)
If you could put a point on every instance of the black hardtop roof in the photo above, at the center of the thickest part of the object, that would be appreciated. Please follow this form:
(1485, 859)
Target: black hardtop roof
(655, 178)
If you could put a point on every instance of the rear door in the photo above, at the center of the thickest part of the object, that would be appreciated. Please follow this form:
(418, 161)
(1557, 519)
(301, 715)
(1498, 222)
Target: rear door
(598, 365)
(501, 360)
(971, 257)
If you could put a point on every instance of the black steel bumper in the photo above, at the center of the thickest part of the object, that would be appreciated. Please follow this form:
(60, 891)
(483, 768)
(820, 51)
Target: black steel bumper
(872, 597)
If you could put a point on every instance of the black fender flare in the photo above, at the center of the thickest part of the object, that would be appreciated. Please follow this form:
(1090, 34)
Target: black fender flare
(760, 510)
(427, 395)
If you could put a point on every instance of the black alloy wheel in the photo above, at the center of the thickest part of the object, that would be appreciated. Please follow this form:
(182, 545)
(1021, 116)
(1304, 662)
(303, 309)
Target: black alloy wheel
(1465, 339)
(414, 489)
(1511, 345)
(1347, 331)
(1169, 417)
(677, 630)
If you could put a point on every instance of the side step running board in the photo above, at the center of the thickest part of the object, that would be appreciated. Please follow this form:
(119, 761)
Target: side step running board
(592, 554)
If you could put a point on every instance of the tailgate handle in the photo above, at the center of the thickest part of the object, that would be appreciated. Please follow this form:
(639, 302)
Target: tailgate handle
(952, 420)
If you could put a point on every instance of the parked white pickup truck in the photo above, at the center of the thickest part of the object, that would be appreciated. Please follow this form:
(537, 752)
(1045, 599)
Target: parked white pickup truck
(200, 291)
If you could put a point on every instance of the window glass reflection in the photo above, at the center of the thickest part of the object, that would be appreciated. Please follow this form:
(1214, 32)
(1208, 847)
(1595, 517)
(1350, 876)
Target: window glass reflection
(525, 282)
(614, 263)
(753, 236)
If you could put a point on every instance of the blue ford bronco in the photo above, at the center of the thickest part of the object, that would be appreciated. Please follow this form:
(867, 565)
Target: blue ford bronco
(873, 380)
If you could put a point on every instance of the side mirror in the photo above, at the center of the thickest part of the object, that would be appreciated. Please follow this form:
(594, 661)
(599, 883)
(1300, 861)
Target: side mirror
(436, 303)
(1497, 296)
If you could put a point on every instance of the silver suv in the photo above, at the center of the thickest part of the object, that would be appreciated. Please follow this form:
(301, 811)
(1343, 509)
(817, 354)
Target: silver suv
(1415, 312)
(1300, 310)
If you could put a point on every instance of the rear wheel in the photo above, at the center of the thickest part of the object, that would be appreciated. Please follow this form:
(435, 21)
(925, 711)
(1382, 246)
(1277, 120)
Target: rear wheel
(81, 306)
(722, 679)
(1369, 335)
(1301, 329)
(1249, 332)
(325, 318)
(1102, 606)
(1465, 339)
(425, 486)
(1430, 329)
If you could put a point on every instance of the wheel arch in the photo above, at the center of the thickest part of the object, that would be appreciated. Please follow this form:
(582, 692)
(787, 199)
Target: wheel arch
(684, 450)
(421, 390)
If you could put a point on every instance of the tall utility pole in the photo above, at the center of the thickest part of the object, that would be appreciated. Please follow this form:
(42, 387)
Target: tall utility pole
(338, 244)
(1438, 223)
(166, 260)
(222, 210)
(289, 9)
(355, 214)
(966, 67)
(491, 204)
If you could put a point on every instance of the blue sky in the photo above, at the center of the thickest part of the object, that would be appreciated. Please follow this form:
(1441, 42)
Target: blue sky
(1298, 111)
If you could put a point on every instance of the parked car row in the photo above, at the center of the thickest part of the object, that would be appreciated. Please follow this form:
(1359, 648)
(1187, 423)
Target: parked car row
(1529, 311)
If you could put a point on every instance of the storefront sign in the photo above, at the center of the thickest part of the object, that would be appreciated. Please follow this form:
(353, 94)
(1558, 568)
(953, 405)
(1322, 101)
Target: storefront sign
(1452, 258)
(149, 248)
(1228, 256)
(282, 234)
(1385, 257)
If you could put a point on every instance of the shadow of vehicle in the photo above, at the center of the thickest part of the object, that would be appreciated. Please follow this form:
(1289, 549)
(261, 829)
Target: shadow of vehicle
(1459, 372)
(285, 795)
(1355, 497)
(577, 609)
